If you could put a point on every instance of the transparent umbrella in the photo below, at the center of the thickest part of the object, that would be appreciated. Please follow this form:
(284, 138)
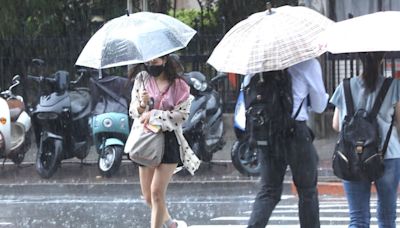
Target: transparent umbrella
(134, 38)
(271, 40)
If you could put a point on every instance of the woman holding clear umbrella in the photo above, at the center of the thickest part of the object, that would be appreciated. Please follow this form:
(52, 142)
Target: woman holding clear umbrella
(364, 90)
(137, 38)
(161, 87)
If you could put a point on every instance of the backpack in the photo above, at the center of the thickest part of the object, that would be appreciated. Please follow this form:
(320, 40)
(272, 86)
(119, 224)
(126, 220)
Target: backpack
(268, 101)
(357, 155)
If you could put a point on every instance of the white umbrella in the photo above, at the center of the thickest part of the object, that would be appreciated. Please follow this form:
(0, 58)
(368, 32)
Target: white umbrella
(368, 33)
(134, 38)
(268, 41)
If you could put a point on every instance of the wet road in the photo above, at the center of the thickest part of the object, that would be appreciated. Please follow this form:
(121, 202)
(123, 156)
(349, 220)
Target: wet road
(202, 205)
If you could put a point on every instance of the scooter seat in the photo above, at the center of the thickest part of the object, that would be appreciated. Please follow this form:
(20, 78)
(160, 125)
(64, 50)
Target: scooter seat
(80, 103)
(16, 108)
(17, 135)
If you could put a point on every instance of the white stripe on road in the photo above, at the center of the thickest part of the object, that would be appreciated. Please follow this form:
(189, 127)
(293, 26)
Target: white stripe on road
(285, 218)
(269, 226)
(290, 211)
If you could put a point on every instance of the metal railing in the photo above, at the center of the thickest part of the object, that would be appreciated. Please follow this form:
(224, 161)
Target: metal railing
(341, 66)
(61, 53)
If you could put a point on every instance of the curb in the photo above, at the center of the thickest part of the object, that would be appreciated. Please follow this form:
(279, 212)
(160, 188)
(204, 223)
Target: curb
(218, 171)
(325, 188)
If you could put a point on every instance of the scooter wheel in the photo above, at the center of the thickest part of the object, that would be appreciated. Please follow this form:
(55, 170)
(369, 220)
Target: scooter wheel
(244, 160)
(110, 161)
(47, 159)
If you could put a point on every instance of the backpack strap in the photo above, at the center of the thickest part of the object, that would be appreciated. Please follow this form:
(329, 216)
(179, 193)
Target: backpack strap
(377, 105)
(299, 108)
(380, 97)
(388, 134)
(348, 97)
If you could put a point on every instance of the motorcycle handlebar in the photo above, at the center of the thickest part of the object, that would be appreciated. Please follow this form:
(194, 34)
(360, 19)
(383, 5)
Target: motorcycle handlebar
(8, 92)
(81, 72)
(41, 78)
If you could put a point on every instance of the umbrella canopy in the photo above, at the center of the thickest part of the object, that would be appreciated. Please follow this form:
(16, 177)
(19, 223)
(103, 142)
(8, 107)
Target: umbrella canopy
(368, 33)
(271, 40)
(134, 38)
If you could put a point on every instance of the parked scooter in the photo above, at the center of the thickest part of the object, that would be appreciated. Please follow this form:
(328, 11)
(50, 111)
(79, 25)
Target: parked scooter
(60, 121)
(245, 159)
(110, 121)
(15, 125)
(204, 128)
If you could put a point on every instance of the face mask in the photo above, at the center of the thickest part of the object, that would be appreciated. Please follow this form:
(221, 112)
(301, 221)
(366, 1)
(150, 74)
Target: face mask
(155, 70)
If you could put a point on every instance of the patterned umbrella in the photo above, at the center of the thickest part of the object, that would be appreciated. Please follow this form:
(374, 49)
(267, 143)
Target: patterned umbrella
(134, 38)
(368, 33)
(271, 40)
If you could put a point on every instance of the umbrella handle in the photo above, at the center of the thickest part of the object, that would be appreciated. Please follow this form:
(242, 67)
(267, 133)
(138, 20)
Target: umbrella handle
(268, 8)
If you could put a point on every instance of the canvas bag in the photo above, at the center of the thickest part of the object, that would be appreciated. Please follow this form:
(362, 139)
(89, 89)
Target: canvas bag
(357, 155)
(145, 147)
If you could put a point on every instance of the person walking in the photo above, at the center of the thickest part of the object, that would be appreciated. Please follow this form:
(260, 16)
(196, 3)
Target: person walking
(364, 89)
(161, 97)
(298, 152)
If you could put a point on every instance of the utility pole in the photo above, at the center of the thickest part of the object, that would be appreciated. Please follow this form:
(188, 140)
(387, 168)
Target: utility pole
(129, 6)
(144, 5)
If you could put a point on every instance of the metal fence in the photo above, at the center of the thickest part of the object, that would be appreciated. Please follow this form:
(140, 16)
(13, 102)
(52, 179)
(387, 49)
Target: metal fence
(338, 67)
(61, 53)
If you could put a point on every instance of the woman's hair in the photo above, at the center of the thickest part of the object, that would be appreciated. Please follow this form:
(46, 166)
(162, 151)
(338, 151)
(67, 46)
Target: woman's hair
(371, 68)
(173, 68)
(134, 70)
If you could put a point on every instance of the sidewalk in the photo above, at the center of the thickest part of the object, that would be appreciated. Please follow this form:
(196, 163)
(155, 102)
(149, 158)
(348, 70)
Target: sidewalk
(220, 169)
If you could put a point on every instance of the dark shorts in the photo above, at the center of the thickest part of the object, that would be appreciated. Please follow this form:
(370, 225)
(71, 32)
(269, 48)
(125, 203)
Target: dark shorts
(171, 150)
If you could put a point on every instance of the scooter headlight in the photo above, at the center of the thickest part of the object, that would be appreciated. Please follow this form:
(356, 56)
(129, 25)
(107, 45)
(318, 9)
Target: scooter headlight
(3, 120)
(201, 86)
(107, 123)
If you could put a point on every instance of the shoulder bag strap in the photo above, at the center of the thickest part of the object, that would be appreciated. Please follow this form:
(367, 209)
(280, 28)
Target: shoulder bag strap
(348, 97)
(380, 97)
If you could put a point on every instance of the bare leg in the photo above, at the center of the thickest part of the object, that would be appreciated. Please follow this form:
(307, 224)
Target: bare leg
(161, 178)
(146, 177)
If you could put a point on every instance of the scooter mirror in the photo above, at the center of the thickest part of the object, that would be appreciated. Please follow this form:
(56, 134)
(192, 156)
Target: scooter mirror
(16, 79)
(38, 62)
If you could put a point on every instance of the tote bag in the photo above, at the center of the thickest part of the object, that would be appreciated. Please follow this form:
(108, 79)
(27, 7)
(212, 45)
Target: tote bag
(145, 147)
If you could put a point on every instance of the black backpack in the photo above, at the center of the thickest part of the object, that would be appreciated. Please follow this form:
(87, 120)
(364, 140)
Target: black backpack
(357, 155)
(269, 105)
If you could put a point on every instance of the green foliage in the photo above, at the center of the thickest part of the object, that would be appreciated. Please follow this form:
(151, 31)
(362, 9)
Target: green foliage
(193, 17)
(37, 18)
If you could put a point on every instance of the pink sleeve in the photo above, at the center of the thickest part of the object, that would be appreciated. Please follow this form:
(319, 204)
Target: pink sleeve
(182, 91)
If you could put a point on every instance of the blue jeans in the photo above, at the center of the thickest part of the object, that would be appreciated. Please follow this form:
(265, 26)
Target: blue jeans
(358, 195)
(302, 159)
